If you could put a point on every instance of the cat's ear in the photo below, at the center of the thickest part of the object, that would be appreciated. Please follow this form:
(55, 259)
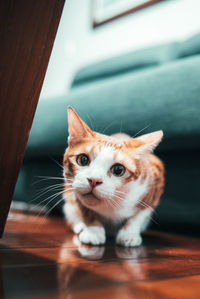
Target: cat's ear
(148, 142)
(76, 127)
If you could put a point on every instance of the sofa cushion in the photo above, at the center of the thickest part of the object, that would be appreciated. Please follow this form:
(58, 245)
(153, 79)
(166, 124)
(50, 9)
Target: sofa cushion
(133, 61)
(165, 97)
(189, 47)
(138, 60)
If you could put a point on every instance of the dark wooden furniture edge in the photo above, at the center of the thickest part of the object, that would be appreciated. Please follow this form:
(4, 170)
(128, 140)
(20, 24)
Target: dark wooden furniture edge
(27, 33)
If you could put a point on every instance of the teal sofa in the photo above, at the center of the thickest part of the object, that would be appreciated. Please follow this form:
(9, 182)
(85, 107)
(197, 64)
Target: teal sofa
(157, 88)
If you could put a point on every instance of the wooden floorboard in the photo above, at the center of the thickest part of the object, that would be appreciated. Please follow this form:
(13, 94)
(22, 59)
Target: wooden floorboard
(41, 258)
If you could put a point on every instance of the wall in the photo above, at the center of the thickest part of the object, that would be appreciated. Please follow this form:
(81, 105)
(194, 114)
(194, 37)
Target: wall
(77, 44)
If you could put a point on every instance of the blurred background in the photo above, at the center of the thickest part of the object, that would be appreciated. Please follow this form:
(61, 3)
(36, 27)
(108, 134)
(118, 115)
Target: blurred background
(123, 65)
(79, 44)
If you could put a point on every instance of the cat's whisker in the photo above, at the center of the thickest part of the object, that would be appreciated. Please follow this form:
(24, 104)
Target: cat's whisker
(62, 167)
(122, 195)
(110, 202)
(50, 198)
(108, 126)
(151, 217)
(46, 199)
(146, 205)
(44, 207)
(68, 180)
(46, 178)
(91, 123)
(49, 177)
(106, 202)
(120, 192)
(49, 189)
(115, 202)
(67, 184)
(54, 178)
(47, 213)
(39, 204)
(118, 197)
(142, 204)
(116, 206)
(141, 130)
(43, 192)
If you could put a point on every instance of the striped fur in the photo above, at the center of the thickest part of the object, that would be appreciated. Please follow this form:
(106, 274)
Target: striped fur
(118, 204)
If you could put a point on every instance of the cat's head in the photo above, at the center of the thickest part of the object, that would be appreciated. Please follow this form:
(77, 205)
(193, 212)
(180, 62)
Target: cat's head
(101, 169)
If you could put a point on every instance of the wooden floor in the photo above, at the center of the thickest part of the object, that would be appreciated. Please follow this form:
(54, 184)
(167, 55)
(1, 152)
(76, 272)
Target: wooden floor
(42, 259)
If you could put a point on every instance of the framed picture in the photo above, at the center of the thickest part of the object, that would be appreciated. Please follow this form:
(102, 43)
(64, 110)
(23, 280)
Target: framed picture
(104, 11)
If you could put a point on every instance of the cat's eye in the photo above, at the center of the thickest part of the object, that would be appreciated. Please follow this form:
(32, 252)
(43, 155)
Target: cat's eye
(118, 170)
(83, 160)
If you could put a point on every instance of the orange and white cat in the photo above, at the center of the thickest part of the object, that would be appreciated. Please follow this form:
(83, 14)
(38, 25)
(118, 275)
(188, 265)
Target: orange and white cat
(112, 183)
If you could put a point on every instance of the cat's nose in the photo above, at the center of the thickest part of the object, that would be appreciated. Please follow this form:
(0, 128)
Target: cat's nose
(94, 182)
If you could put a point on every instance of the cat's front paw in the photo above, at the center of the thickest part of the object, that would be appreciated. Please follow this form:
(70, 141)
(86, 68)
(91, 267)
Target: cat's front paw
(78, 227)
(128, 239)
(94, 235)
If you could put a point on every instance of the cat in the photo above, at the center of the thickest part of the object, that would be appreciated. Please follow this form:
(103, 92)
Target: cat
(112, 184)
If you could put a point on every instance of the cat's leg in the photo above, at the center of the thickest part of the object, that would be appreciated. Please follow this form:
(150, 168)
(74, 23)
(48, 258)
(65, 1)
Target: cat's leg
(73, 216)
(130, 234)
(94, 233)
(90, 231)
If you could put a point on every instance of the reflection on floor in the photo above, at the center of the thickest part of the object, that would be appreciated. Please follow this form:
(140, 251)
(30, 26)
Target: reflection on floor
(41, 258)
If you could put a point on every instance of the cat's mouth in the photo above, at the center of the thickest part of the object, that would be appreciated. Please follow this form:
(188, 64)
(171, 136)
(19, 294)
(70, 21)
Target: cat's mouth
(89, 199)
(90, 194)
